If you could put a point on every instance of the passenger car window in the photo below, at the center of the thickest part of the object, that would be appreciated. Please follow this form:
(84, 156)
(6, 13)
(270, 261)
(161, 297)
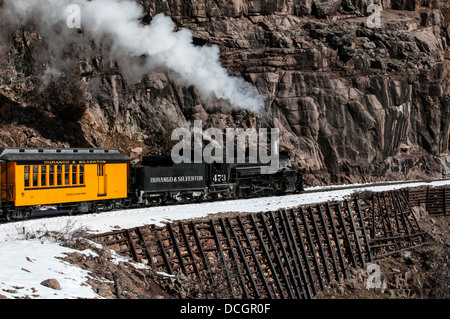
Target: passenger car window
(81, 174)
(58, 175)
(74, 175)
(27, 176)
(35, 175)
(44, 176)
(66, 174)
(51, 175)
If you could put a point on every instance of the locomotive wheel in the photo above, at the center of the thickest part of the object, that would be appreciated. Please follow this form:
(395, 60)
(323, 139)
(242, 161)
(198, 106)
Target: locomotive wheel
(238, 192)
(93, 208)
(126, 203)
(109, 206)
(19, 214)
(143, 204)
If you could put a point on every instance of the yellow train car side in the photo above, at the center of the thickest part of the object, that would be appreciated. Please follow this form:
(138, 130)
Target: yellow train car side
(57, 184)
(80, 180)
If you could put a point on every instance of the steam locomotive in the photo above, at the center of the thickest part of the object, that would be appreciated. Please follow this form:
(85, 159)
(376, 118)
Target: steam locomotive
(91, 180)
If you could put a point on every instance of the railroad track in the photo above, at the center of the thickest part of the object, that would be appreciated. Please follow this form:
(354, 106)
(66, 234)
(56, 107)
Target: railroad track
(289, 253)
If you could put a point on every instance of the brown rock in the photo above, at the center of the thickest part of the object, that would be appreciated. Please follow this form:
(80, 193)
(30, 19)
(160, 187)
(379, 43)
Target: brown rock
(326, 8)
(51, 283)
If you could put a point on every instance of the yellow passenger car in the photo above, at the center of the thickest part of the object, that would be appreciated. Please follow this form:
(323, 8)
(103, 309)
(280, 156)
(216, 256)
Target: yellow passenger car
(80, 180)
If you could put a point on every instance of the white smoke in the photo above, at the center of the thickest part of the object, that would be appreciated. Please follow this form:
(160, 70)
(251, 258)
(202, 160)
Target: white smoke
(135, 47)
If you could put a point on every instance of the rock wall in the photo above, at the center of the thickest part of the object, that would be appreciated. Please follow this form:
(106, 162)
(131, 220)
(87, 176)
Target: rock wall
(352, 103)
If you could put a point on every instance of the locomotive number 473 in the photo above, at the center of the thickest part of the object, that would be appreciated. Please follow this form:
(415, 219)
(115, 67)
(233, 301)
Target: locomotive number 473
(219, 178)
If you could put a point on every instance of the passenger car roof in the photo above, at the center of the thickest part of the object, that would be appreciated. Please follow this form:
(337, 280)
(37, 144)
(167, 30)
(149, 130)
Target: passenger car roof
(17, 154)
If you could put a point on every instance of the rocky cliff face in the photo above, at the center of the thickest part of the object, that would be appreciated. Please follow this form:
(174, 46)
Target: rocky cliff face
(352, 103)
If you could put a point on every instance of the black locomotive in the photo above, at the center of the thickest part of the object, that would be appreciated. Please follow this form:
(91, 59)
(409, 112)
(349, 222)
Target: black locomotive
(157, 179)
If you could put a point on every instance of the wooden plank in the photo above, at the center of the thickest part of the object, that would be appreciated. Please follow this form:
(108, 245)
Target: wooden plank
(222, 257)
(330, 247)
(286, 257)
(336, 240)
(164, 255)
(320, 245)
(346, 237)
(244, 260)
(255, 257)
(295, 253)
(148, 252)
(277, 255)
(304, 252)
(267, 256)
(361, 222)
(202, 253)
(177, 249)
(235, 259)
(355, 231)
(290, 250)
(312, 248)
(189, 250)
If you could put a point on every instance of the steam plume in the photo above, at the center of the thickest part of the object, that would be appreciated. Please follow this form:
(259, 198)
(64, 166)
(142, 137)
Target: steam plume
(137, 48)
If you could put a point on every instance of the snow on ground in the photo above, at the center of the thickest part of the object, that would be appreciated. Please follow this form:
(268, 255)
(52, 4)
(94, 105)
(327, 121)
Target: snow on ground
(24, 264)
